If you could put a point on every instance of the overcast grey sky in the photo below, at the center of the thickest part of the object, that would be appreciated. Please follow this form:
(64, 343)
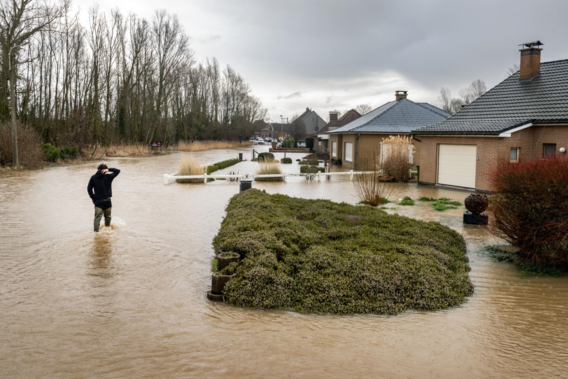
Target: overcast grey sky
(327, 55)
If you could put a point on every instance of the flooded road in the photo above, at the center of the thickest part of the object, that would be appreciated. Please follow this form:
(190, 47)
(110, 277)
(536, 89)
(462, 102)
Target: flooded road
(131, 303)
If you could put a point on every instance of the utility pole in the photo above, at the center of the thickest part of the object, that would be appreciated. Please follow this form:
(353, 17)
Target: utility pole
(15, 159)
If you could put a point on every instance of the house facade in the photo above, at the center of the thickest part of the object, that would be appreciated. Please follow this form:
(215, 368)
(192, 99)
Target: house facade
(306, 124)
(525, 117)
(358, 144)
(280, 130)
(321, 139)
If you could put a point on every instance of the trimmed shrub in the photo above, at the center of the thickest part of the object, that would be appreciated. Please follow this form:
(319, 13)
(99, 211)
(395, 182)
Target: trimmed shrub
(286, 160)
(51, 152)
(309, 162)
(321, 256)
(265, 157)
(310, 143)
(221, 165)
(289, 143)
(530, 209)
(69, 152)
(311, 169)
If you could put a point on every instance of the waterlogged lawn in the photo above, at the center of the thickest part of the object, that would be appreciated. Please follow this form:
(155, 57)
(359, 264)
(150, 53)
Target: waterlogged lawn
(321, 256)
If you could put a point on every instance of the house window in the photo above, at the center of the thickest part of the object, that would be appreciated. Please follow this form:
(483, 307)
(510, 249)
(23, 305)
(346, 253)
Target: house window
(514, 156)
(334, 149)
(317, 128)
(549, 150)
(348, 152)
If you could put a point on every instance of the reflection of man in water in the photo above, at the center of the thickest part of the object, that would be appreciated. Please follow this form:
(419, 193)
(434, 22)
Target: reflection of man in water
(100, 191)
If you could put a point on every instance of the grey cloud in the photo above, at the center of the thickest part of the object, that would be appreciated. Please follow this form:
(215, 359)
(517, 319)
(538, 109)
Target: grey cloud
(291, 96)
(363, 50)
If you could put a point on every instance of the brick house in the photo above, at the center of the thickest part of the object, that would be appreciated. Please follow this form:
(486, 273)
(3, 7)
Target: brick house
(280, 130)
(321, 140)
(524, 117)
(359, 141)
(306, 124)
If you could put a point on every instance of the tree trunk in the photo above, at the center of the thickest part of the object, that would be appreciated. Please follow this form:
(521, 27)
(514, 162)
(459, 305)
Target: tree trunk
(15, 160)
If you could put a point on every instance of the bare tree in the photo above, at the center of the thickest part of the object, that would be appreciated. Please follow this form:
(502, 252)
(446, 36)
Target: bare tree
(512, 70)
(467, 96)
(20, 20)
(120, 79)
(363, 109)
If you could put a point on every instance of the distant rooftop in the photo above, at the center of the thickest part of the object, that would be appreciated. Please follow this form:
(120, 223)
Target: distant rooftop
(395, 117)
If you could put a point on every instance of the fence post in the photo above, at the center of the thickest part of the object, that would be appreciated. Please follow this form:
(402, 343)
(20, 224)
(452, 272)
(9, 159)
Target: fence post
(205, 178)
(351, 174)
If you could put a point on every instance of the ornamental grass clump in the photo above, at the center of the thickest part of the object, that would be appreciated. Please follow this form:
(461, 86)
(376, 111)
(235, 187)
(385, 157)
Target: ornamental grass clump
(269, 169)
(530, 210)
(190, 166)
(397, 153)
(321, 256)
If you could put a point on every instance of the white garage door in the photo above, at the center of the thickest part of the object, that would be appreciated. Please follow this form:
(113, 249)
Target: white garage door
(456, 165)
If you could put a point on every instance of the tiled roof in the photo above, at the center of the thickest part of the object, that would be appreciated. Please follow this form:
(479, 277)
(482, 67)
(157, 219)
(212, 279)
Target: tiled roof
(543, 99)
(396, 117)
(352, 113)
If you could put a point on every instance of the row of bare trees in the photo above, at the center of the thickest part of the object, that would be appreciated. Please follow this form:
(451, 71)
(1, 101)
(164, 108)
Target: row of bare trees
(467, 96)
(117, 79)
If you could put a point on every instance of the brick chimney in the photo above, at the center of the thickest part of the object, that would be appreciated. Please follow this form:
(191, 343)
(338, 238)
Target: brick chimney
(400, 95)
(530, 59)
(333, 115)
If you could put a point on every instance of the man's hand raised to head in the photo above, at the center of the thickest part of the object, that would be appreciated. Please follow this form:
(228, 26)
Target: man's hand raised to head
(104, 171)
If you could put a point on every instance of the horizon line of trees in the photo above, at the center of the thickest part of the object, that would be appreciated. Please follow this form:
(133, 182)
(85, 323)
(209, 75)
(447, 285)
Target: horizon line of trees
(117, 79)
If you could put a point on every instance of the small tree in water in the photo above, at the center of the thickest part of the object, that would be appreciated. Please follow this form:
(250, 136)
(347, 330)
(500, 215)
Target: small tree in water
(370, 190)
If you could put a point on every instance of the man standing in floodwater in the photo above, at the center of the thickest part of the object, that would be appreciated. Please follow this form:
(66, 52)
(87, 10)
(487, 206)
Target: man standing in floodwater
(100, 192)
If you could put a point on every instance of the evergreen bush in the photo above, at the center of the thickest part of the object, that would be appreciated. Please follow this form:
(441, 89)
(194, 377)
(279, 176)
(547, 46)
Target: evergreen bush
(321, 256)
(51, 152)
(286, 160)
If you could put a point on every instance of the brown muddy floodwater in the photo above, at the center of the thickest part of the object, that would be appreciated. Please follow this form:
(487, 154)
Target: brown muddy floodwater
(131, 303)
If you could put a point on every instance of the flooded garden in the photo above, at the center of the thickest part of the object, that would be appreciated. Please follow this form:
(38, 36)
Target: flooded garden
(132, 303)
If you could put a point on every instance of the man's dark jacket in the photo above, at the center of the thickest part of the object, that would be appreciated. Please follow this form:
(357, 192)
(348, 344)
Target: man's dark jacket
(102, 185)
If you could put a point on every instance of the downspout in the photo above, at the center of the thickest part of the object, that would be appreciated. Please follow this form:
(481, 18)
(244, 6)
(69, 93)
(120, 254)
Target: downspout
(414, 138)
(356, 150)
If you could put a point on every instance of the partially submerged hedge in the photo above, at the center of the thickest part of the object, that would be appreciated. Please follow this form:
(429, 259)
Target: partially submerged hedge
(221, 165)
(320, 256)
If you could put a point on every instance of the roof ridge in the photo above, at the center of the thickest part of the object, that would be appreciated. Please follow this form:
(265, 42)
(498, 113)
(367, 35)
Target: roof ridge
(444, 113)
(382, 113)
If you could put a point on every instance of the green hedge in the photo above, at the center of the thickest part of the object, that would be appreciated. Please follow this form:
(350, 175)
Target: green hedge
(286, 160)
(311, 169)
(309, 162)
(221, 165)
(325, 257)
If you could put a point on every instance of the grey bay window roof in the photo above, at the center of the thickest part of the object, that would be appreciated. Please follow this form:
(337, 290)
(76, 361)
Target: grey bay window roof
(395, 117)
(512, 103)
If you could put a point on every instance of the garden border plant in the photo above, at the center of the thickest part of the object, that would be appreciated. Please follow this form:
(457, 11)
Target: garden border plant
(321, 256)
